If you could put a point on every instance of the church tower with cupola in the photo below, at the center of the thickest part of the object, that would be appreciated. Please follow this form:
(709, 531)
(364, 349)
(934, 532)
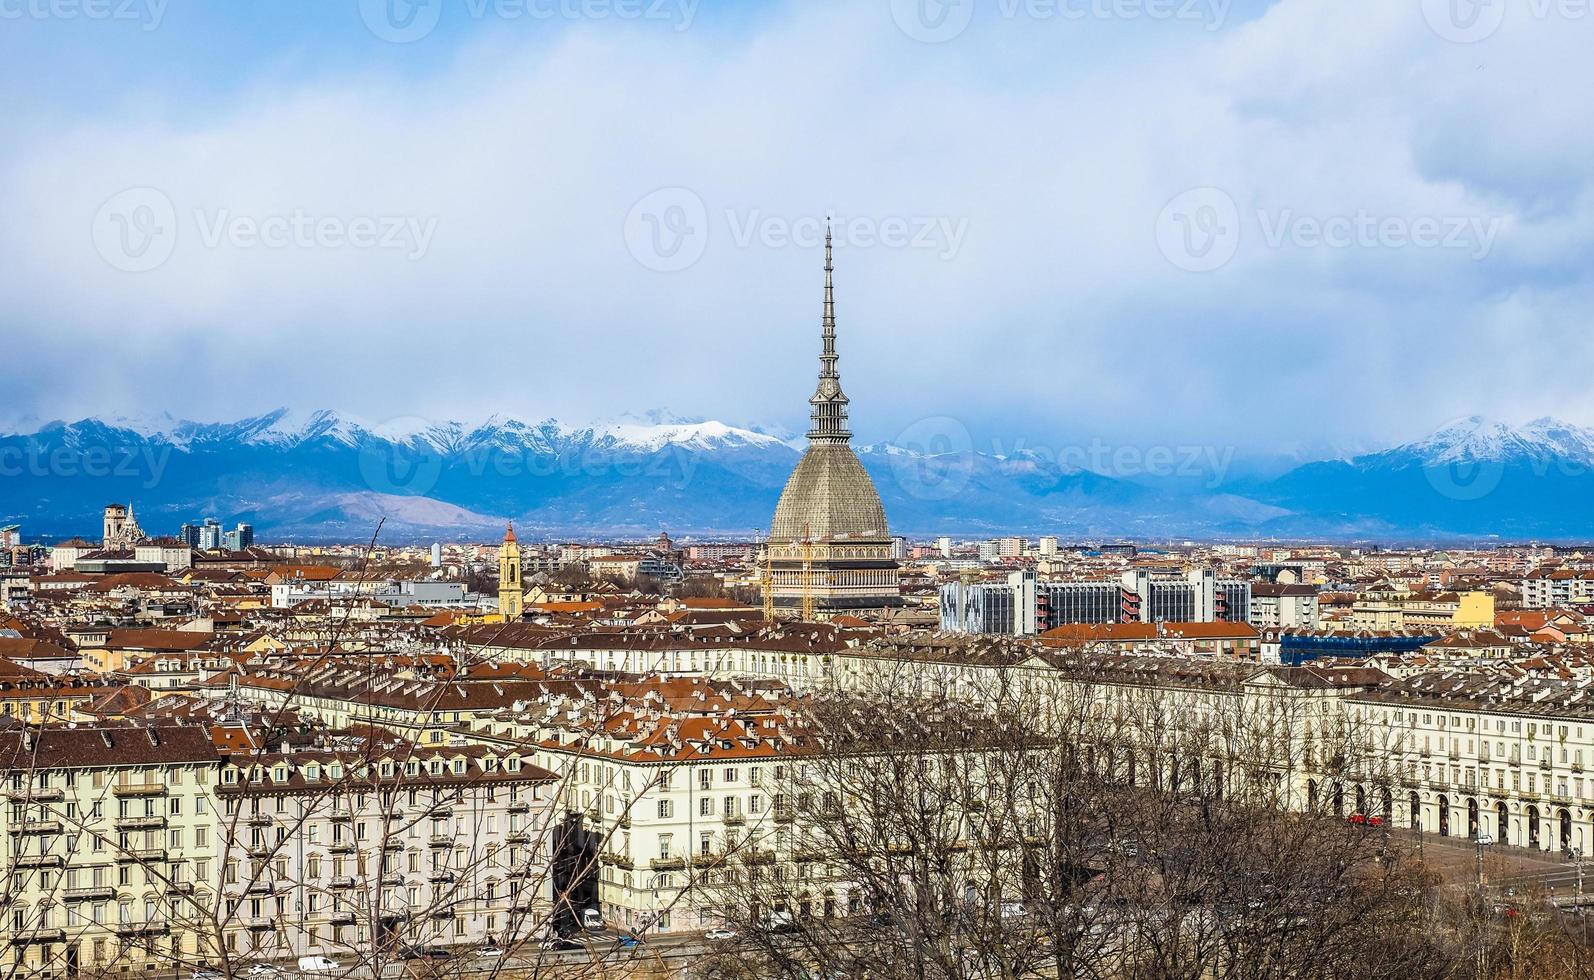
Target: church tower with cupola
(510, 589)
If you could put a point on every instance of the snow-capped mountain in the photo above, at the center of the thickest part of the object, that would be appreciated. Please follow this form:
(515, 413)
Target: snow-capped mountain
(285, 428)
(329, 475)
(1472, 477)
(1479, 439)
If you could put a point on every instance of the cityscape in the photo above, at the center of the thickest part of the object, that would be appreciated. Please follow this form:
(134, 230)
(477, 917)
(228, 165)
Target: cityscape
(1123, 521)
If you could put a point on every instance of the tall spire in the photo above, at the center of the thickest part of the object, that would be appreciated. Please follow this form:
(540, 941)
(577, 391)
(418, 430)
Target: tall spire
(829, 413)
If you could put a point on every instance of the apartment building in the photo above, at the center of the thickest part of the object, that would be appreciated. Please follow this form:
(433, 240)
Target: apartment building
(331, 849)
(164, 845)
(109, 839)
(1483, 753)
(1283, 606)
(1391, 610)
(344, 693)
(1557, 587)
(672, 784)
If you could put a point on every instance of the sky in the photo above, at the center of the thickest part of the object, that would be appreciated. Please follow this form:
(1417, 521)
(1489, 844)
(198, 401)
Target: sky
(1305, 226)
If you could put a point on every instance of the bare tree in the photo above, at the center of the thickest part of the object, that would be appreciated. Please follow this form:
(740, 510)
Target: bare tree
(1049, 824)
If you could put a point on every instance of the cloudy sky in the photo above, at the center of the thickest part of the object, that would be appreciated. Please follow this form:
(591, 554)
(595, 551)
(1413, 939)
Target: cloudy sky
(1296, 225)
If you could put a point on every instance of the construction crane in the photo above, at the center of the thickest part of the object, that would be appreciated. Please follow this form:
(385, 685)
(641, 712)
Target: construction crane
(766, 589)
(808, 576)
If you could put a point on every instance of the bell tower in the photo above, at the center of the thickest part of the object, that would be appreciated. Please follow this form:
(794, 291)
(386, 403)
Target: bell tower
(510, 588)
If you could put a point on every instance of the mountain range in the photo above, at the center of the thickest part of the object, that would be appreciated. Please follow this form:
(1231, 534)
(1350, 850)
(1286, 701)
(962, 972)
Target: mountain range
(329, 476)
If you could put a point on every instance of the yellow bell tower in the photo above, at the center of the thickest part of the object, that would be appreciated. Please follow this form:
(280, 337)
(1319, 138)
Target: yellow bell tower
(509, 586)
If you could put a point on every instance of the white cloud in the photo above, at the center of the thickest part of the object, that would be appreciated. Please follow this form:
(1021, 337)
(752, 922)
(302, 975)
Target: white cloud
(1055, 146)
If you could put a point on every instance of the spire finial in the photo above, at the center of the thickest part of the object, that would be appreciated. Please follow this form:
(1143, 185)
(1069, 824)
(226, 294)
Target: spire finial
(829, 413)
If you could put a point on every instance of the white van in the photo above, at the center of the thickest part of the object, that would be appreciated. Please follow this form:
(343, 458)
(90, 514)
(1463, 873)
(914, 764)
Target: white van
(592, 919)
(317, 964)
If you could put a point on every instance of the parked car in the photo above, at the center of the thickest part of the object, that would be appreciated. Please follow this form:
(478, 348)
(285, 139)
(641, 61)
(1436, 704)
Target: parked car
(630, 942)
(1485, 839)
(318, 964)
(490, 951)
(264, 971)
(560, 944)
(206, 973)
(720, 934)
(592, 919)
(424, 953)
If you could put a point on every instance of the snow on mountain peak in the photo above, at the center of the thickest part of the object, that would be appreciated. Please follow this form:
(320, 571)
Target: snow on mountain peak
(286, 428)
(652, 437)
(1480, 439)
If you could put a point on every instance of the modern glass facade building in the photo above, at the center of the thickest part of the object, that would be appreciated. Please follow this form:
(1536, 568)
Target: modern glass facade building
(1022, 606)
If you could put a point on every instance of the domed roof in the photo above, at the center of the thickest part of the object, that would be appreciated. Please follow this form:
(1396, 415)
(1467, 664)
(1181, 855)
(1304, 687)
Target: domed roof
(829, 497)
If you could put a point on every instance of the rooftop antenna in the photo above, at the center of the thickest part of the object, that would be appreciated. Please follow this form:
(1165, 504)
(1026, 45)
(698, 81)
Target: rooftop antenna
(808, 575)
(766, 590)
